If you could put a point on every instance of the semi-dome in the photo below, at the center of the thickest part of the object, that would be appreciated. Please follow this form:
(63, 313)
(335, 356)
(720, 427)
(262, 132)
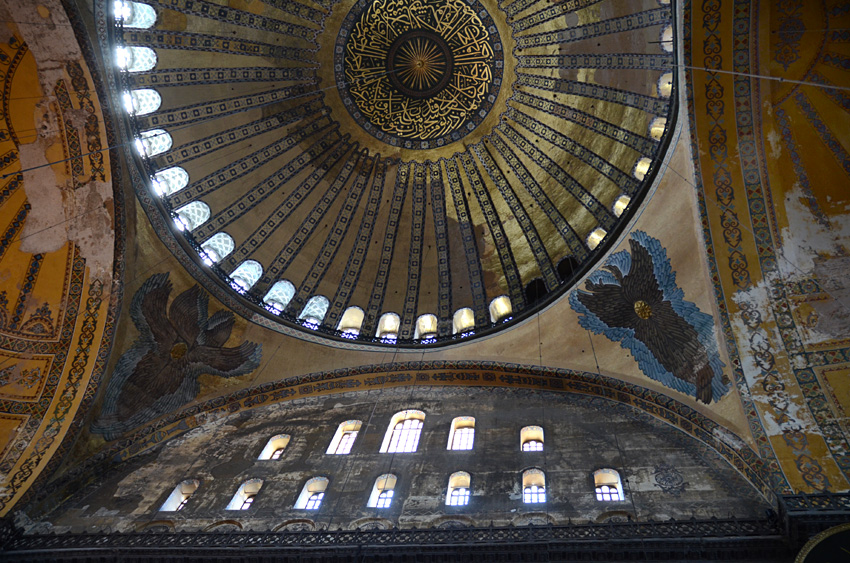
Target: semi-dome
(411, 159)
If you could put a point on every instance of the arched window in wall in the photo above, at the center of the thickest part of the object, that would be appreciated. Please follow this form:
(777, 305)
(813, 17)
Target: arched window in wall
(180, 496)
(667, 39)
(463, 321)
(136, 59)
(312, 494)
(314, 311)
(344, 437)
(621, 204)
(641, 168)
(665, 85)
(382, 491)
(567, 268)
(531, 439)
(135, 15)
(142, 102)
(500, 309)
(351, 321)
(245, 495)
(153, 142)
(462, 433)
(458, 492)
(594, 238)
(535, 291)
(246, 275)
(279, 296)
(657, 128)
(170, 180)
(533, 486)
(217, 247)
(388, 327)
(609, 487)
(403, 432)
(275, 447)
(192, 215)
(426, 328)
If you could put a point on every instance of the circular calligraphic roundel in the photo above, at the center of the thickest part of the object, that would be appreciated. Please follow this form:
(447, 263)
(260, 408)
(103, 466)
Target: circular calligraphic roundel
(419, 74)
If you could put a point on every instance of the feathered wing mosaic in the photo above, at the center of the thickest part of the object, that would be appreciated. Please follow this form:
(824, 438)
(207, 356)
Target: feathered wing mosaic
(175, 346)
(634, 300)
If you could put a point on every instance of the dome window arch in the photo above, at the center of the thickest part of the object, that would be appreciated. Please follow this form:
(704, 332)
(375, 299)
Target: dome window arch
(608, 485)
(463, 321)
(350, 322)
(403, 432)
(343, 440)
(533, 486)
(274, 447)
(192, 215)
(459, 489)
(621, 204)
(531, 439)
(217, 247)
(462, 433)
(279, 296)
(667, 39)
(500, 309)
(142, 101)
(426, 328)
(246, 275)
(596, 237)
(244, 497)
(665, 85)
(657, 128)
(312, 494)
(314, 311)
(134, 14)
(382, 491)
(170, 180)
(642, 168)
(153, 142)
(388, 326)
(180, 496)
(135, 59)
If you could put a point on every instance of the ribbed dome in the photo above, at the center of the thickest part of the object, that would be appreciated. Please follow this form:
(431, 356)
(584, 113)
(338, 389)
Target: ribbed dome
(396, 172)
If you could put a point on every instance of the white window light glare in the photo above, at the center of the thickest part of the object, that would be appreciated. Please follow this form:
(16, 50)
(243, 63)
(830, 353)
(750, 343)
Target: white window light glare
(461, 433)
(343, 440)
(463, 321)
(458, 492)
(275, 444)
(279, 296)
(170, 180)
(403, 432)
(382, 491)
(533, 486)
(312, 494)
(531, 439)
(245, 494)
(180, 496)
(426, 328)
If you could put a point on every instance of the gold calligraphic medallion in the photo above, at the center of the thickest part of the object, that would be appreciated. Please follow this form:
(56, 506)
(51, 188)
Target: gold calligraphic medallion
(419, 73)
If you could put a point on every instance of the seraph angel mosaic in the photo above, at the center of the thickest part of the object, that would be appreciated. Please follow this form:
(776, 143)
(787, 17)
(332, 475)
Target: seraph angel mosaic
(176, 345)
(634, 300)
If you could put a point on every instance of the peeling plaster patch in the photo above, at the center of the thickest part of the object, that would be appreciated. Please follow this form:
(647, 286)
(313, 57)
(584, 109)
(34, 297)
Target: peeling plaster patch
(804, 240)
(59, 212)
(774, 140)
(728, 438)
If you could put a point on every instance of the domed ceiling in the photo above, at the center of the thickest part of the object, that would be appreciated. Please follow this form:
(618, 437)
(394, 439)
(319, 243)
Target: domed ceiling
(394, 172)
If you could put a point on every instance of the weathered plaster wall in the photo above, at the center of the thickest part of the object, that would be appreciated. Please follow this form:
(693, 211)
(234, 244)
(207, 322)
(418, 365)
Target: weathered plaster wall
(666, 474)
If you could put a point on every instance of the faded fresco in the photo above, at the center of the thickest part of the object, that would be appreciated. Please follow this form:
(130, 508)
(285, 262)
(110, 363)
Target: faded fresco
(634, 300)
(176, 344)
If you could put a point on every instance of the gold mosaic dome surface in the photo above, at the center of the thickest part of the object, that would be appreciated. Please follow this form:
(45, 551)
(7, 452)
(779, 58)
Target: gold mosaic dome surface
(395, 172)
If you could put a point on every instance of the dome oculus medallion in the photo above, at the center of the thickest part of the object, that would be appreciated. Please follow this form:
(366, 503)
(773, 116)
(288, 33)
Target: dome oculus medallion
(418, 73)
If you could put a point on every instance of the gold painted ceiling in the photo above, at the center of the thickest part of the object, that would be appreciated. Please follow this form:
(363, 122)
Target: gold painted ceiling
(394, 172)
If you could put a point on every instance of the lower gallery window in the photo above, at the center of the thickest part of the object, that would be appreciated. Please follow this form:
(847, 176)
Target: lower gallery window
(458, 492)
(382, 491)
(312, 494)
(459, 497)
(608, 485)
(314, 501)
(246, 504)
(533, 494)
(605, 492)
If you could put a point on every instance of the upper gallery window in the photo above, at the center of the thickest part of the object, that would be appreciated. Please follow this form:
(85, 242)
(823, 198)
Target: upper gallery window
(531, 439)
(180, 496)
(312, 494)
(275, 447)
(533, 486)
(245, 494)
(403, 432)
(382, 491)
(609, 487)
(462, 433)
(344, 437)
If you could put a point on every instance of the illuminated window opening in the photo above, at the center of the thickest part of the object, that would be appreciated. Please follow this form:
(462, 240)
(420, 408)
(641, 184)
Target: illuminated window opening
(403, 432)
(134, 15)
(388, 326)
(621, 204)
(426, 328)
(463, 321)
(246, 275)
(382, 491)
(217, 247)
(641, 168)
(458, 492)
(180, 496)
(153, 142)
(665, 85)
(667, 39)
(351, 321)
(314, 312)
(462, 433)
(135, 59)
(500, 309)
(142, 102)
(533, 486)
(275, 447)
(312, 494)
(245, 495)
(192, 215)
(657, 128)
(609, 487)
(170, 180)
(531, 439)
(343, 440)
(279, 296)
(594, 238)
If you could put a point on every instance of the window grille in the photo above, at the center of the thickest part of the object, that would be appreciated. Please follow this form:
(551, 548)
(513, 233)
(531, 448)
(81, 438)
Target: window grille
(533, 494)
(405, 436)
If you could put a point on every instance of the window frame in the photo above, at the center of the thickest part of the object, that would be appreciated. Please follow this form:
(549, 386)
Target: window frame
(399, 418)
